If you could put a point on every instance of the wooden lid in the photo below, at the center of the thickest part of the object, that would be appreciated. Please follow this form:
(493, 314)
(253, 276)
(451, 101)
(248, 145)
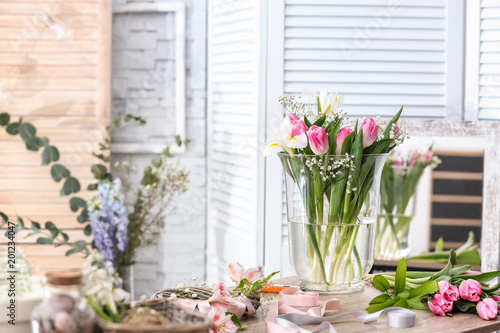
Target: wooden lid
(67, 277)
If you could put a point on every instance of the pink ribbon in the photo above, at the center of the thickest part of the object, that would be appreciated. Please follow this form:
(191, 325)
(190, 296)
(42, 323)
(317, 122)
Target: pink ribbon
(286, 323)
(235, 306)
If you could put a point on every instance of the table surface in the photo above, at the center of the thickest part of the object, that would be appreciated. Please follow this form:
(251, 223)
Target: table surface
(426, 321)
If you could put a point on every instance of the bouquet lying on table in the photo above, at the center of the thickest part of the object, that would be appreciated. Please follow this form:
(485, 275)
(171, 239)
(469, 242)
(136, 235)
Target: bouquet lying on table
(225, 306)
(452, 288)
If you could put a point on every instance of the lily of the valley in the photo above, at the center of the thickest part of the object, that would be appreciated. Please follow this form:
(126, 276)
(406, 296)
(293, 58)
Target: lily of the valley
(292, 134)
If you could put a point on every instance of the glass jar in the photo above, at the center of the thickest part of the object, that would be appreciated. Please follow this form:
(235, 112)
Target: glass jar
(63, 309)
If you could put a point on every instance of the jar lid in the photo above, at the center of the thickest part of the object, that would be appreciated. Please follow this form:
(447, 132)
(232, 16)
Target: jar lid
(66, 277)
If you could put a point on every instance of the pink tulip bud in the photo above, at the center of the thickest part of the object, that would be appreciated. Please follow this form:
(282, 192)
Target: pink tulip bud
(426, 157)
(470, 290)
(440, 305)
(343, 133)
(318, 140)
(293, 117)
(235, 272)
(415, 156)
(252, 274)
(496, 298)
(370, 129)
(400, 161)
(449, 291)
(487, 309)
(298, 127)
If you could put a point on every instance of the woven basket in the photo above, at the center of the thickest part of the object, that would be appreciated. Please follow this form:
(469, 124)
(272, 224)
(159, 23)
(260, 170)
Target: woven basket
(201, 294)
(182, 320)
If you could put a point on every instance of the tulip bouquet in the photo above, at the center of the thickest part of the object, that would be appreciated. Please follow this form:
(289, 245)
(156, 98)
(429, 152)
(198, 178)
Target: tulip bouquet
(452, 288)
(400, 178)
(333, 164)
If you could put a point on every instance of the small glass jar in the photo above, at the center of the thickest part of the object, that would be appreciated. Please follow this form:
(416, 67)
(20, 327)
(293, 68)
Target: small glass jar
(63, 309)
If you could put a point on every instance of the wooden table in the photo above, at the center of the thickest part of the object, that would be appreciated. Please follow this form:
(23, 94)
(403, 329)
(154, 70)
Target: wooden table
(426, 321)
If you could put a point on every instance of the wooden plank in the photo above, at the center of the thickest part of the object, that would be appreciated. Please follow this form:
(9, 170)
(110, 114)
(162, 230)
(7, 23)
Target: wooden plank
(75, 234)
(68, 20)
(37, 250)
(38, 197)
(38, 184)
(35, 159)
(457, 175)
(59, 109)
(28, 209)
(52, 97)
(47, 46)
(55, 262)
(456, 222)
(61, 221)
(30, 68)
(11, 171)
(457, 198)
(47, 84)
(63, 147)
(48, 59)
(43, 7)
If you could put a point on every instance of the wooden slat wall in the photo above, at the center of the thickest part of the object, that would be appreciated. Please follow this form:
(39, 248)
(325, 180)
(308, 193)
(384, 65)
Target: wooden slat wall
(457, 196)
(63, 88)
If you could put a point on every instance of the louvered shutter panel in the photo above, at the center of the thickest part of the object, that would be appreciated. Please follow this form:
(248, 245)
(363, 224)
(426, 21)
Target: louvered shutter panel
(233, 155)
(381, 56)
(489, 61)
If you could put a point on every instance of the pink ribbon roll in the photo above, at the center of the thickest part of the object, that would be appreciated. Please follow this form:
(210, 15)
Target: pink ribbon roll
(287, 322)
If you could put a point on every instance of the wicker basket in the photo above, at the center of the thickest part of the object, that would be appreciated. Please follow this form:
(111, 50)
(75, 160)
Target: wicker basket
(182, 320)
(201, 294)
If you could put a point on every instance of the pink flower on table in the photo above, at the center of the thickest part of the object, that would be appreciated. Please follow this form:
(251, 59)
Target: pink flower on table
(343, 133)
(414, 159)
(470, 290)
(222, 322)
(426, 157)
(399, 161)
(496, 298)
(370, 129)
(318, 140)
(220, 294)
(487, 309)
(449, 291)
(252, 274)
(440, 305)
(235, 271)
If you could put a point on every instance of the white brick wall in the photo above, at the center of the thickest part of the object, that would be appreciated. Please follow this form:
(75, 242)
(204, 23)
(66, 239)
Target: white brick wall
(143, 73)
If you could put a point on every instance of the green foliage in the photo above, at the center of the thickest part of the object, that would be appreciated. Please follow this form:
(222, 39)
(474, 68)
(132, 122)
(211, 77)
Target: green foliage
(50, 154)
(76, 203)
(59, 172)
(100, 171)
(71, 185)
(26, 131)
(4, 118)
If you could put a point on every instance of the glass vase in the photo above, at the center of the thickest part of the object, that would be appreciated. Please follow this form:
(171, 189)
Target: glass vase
(397, 212)
(332, 206)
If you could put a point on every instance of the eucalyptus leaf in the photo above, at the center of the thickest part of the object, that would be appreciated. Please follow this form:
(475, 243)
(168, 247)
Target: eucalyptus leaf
(87, 231)
(99, 171)
(52, 228)
(80, 245)
(26, 131)
(4, 217)
(84, 216)
(50, 154)
(13, 128)
(64, 236)
(35, 225)
(71, 185)
(76, 203)
(20, 222)
(71, 251)
(44, 240)
(4, 118)
(33, 143)
(59, 172)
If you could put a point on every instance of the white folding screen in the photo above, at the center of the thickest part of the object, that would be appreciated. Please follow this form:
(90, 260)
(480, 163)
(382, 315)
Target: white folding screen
(235, 165)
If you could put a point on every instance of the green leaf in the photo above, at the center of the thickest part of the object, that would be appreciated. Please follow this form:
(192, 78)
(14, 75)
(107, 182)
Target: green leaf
(469, 257)
(4, 118)
(400, 279)
(87, 231)
(33, 143)
(76, 203)
(483, 277)
(446, 271)
(84, 216)
(92, 187)
(178, 140)
(26, 131)
(381, 283)
(401, 303)
(428, 287)
(439, 245)
(71, 251)
(80, 245)
(380, 299)
(235, 319)
(416, 304)
(35, 225)
(99, 171)
(20, 222)
(13, 128)
(307, 122)
(319, 122)
(71, 185)
(465, 306)
(58, 172)
(52, 228)
(4, 217)
(44, 240)
(64, 236)
(50, 154)
(378, 307)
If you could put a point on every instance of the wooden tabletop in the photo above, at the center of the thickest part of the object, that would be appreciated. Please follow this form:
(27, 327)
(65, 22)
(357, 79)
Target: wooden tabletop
(426, 321)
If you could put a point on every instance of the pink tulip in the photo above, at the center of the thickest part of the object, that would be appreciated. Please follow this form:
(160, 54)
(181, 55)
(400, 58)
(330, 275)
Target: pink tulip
(400, 161)
(222, 321)
(343, 133)
(487, 309)
(252, 274)
(496, 298)
(298, 127)
(449, 291)
(426, 157)
(440, 305)
(370, 129)
(293, 117)
(470, 290)
(414, 158)
(235, 272)
(318, 140)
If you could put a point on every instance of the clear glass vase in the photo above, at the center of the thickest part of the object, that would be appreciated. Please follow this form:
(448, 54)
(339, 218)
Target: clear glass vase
(332, 206)
(397, 211)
